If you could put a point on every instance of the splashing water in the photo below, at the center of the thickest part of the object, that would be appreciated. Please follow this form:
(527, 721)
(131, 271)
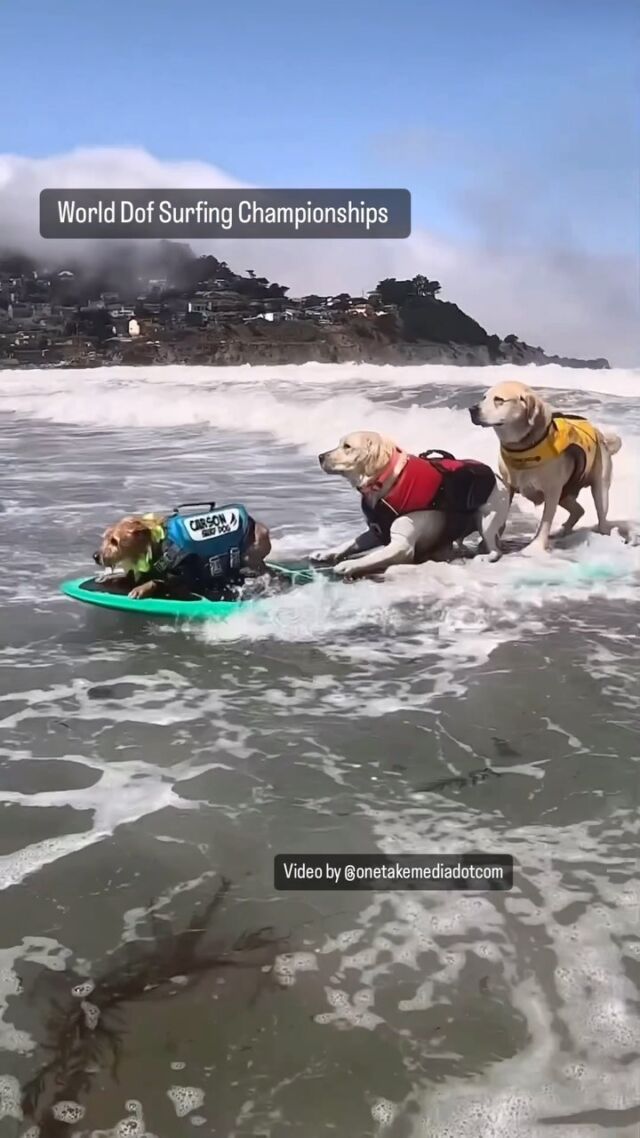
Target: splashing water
(453, 706)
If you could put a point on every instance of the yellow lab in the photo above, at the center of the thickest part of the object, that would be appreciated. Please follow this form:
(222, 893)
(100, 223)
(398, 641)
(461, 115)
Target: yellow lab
(548, 457)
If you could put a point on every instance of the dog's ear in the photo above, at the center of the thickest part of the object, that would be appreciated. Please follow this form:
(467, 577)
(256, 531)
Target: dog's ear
(380, 450)
(532, 406)
(132, 533)
(134, 526)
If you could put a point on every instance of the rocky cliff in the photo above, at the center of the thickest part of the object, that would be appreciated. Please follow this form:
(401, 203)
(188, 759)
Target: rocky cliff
(352, 341)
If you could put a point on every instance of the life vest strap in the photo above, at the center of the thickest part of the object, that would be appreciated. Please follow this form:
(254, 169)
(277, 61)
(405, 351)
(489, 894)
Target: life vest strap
(428, 454)
(392, 470)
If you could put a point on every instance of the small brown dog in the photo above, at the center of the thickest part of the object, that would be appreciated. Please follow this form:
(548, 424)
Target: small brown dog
(201, 554)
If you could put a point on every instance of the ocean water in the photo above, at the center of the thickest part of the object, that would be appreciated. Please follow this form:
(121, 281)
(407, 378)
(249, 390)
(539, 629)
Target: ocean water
(453, 707)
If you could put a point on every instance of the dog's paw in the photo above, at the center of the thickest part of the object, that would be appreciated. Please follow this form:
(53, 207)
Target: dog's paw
(322, 557)
(139, 592)
(346, 569)
(626, 532)
(535, 549)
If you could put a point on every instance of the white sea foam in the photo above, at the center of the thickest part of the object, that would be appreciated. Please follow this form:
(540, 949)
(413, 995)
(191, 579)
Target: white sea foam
(68, 1112)
(185, 1099)
(584, 1006)
(45, 952)
(133, 1126)
(620, 382)
(124, 792)
(10, 1097)
(292, 408)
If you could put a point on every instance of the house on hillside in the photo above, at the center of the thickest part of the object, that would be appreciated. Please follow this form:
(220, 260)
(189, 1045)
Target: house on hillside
(19, 311)
(319, 314)
(361, 310)
(177, 304)
(29, 339)
(199, 305)
(41, 308)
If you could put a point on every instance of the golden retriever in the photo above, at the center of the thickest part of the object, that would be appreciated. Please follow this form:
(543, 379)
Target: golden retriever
(548, 457)
(405, 525)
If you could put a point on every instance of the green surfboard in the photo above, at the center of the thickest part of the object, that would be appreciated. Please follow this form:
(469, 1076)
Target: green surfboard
(90, 592)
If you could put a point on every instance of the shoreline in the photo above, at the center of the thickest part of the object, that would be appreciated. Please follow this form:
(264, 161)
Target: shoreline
(234, 351)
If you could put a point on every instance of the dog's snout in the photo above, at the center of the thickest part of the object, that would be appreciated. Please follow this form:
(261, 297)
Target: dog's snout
(97, 557)
(475, 412)
(321, 457)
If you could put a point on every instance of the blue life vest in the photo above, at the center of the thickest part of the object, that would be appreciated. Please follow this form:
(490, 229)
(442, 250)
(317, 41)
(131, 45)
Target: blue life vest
(206, 548)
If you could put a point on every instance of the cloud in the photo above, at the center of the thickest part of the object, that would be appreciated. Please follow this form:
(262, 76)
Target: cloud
(569, 301)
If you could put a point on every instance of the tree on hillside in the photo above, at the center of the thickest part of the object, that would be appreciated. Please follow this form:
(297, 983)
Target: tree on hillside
(276, 291)
(441, 323)
(16, 264)
(94, 322)
(424, 287)
(392, 291)
(206, 269)
(421, 285)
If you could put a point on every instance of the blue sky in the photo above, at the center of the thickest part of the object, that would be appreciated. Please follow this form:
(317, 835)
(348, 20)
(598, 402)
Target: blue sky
(512, 121)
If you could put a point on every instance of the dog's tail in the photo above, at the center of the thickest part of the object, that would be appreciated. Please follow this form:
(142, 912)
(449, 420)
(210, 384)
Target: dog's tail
(611, 441)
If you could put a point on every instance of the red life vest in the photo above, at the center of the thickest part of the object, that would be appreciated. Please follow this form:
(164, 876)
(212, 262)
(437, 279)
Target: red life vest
(453, 485)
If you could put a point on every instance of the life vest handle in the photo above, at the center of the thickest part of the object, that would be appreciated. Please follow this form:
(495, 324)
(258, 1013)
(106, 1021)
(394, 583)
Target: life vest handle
(437, 454)
(189, 505)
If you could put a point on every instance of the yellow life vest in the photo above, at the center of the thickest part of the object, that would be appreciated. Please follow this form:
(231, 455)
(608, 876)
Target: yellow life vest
(564, 432)
(144, 563)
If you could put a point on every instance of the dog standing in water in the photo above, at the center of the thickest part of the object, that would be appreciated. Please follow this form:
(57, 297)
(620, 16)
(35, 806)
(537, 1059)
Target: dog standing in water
(415, 506)
(548, 457)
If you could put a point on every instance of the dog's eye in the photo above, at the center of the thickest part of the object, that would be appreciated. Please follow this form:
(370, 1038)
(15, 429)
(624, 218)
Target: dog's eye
(498, 401)
(113, 542)
(346, 446)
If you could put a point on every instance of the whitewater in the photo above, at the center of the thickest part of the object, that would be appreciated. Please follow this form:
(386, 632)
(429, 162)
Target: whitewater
(453, 707)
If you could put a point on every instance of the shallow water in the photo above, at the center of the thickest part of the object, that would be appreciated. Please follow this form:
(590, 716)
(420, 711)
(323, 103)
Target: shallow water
(454, 707)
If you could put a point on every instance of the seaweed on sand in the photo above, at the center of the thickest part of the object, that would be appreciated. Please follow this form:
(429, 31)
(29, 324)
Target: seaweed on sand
(86, 1035)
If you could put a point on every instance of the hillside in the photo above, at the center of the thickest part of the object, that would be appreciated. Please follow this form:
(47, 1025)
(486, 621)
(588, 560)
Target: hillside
(163, 304)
